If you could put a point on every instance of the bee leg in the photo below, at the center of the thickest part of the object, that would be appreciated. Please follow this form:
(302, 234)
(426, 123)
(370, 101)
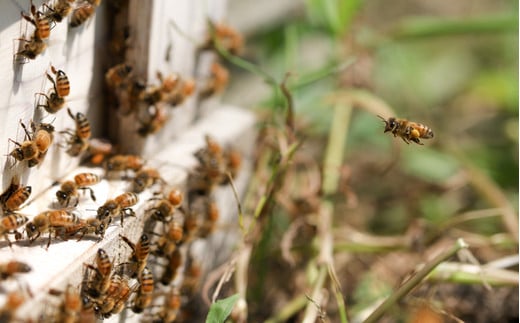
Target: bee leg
(405, 140)
(92, 196)
(49, 240)
(6, 237)
(17, 235)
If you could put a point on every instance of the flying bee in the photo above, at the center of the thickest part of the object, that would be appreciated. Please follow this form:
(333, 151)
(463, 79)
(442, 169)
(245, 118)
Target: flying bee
(61, 88)
(118, 76)
(14, 197)
(81, 14)
(144, 295)
(407, 130)
(40, 23)
(10, 223)
(145, 178)
(217, 81)
(211, 169)
(78, 140)
(224, 36)
(124, 163)
(100, 283)
(59, 10)
(140, 252)
(13, 267)
(50, 221)
(69, 189)
(119, 206)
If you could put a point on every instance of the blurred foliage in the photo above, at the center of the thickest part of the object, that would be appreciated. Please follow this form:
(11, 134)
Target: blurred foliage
(220, 310)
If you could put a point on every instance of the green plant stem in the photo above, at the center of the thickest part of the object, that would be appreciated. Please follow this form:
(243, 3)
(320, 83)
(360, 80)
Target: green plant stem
(472, 274)
(331, 175)
(489, 190)
(429, 27)
(416, 279)
(289, 310)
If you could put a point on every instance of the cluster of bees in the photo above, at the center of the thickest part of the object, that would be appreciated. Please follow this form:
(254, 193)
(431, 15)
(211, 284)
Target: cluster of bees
(79, 10)
(148, 281)
(171, 223)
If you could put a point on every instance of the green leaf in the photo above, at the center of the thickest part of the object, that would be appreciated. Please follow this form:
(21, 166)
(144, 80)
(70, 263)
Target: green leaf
(428, 164)
(220, 310)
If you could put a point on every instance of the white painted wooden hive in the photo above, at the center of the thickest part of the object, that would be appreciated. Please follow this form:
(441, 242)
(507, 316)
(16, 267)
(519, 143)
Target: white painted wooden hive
(84, 53)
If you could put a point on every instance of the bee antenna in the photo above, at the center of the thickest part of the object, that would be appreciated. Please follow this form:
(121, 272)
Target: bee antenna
(380, 117)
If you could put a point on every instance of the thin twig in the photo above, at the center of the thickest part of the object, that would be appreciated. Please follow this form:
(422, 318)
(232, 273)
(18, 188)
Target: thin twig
(415, 280)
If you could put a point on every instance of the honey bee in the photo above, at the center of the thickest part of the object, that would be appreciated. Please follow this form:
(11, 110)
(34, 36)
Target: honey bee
(42, 136)
(145, 178)
(119, 75)
(97, 151)
(71, 307)
(61, 89)
(124, 163)
(204, 208)
(81, 14)
(223, 36)
(180, 93)
(27, 150)
(140, 252)
(10, 223)
(155, 120)
(156, 94)
(115, 299)
(59, 10)
(83, 227)
(78, 140)
(14, 197)
(69, 189)
(50, 221)
(144, 295)
(170, 308)
(15, 200)
(32, 47)
(100, 283)
(10, 268)
(217, 81)
(39, 21)
(407, 130)
(119, 206)
(211, 169)
(165, 207)
(168, 241)
(14, 300)
(171, 269)
(192, 275)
